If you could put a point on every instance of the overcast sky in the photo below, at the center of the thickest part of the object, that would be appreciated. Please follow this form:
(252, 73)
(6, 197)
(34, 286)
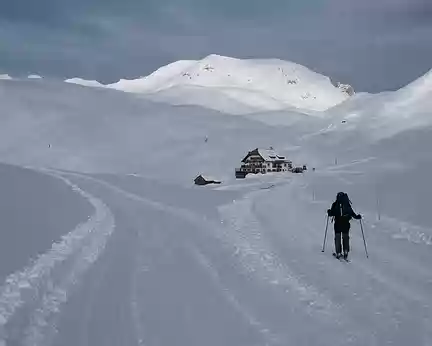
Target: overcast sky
(372, 44)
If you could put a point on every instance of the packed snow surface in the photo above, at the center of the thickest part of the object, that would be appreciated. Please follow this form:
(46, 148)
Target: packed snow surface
(105, 239)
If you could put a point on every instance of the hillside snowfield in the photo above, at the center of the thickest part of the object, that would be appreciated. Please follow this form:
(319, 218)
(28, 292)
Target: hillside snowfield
(106, 241)
(386, 114)
(84, 82)
(235, 86)
(34, 76)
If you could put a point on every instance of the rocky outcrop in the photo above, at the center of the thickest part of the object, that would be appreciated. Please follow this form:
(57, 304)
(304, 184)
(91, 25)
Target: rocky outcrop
(346, 88)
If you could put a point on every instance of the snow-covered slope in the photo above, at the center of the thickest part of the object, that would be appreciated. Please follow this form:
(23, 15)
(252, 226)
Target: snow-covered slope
(236, 86)
(5, 77)
(34, 76)
(383, 115)
(416, 96)
(362, 120)
(156, 248)
(260, 84)
(98, 130)
(84, 82)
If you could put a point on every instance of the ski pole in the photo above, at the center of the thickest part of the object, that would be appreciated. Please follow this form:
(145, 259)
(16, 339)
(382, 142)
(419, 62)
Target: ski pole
(364, 240)
(325, 234)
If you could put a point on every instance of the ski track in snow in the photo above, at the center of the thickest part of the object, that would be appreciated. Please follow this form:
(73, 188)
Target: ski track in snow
(258, 256)
(45, 279)
(269, 336)
(179, 212)
(240, 228)
(255, 253)
(136, 314)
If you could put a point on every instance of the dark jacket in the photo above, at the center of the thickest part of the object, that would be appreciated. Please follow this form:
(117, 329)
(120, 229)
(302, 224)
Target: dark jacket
(342, 213)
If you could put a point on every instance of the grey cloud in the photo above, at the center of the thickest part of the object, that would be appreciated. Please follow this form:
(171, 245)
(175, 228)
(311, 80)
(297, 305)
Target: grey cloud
(374, 45)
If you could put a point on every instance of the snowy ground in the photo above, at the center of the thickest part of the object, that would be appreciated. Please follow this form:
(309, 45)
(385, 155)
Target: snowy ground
(234, 267)
(103, 245)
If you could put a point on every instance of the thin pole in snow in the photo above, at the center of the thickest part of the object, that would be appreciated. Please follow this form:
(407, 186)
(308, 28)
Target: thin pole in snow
(325, 234)
(364, 240)
(378, 208)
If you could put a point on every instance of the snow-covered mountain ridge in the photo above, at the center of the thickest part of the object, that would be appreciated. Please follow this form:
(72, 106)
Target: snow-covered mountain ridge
(236, 86)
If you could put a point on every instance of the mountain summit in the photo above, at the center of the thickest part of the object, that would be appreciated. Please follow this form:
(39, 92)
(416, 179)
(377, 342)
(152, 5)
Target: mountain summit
(239, 86)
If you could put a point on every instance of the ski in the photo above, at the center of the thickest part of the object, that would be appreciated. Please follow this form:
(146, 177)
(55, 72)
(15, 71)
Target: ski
(334, 255)
(341, 258)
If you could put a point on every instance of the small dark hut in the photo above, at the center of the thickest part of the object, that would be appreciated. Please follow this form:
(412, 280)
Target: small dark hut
(202, 180)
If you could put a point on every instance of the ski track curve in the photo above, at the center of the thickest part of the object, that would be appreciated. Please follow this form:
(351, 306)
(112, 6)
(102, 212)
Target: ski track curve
(241, 230)
(46, 282)
(259, 260)
(269, 337)
(255, 254)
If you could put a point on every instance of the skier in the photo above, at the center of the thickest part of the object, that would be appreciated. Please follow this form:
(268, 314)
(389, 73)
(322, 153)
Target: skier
(342, 212)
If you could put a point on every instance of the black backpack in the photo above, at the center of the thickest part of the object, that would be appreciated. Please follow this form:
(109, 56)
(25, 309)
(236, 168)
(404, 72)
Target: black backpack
(344, 208)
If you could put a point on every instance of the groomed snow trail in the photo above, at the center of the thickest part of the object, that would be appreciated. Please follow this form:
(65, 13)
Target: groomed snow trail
(251, 274)
(30, 299)
(171, 275)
